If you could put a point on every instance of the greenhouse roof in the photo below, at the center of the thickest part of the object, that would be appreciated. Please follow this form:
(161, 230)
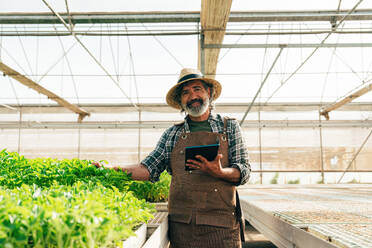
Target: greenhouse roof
(129, 53)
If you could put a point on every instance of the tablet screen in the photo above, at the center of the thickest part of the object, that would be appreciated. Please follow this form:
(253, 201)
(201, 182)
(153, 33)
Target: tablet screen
(207, 151)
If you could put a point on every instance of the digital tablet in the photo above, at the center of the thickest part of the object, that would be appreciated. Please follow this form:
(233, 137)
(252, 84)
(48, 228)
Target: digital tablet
(208, 151)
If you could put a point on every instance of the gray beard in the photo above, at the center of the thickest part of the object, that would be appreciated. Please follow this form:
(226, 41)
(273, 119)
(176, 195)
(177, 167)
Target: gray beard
(197, 111)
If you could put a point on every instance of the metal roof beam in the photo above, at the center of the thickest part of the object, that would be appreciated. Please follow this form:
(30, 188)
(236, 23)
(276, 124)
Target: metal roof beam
(291, 45)
(357, 93)
(161, 17)
(299, 16)
(99, 17)
(31, 84)
(214, 16)
(164, 108)
(165, 124)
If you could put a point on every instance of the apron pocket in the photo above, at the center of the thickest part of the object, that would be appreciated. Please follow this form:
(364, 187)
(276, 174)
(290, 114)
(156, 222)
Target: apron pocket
(197, 199)
(221, 198)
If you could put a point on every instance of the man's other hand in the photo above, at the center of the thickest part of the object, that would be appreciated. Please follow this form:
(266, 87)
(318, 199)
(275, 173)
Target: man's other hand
(97, 164)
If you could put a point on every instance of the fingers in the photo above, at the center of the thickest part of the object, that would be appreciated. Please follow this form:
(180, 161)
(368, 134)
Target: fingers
(201, 163)
(218, 157)
(195, 164)
(96, 164)
(201, 158)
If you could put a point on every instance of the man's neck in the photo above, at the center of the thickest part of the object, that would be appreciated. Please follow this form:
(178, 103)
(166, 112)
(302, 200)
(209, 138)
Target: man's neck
(203, 117)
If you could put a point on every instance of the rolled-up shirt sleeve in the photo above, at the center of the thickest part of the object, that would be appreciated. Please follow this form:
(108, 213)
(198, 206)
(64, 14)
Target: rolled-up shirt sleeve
(238, 154)
(157, 161)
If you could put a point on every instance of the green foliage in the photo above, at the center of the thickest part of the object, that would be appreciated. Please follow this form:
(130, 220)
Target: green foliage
(80, 215)
(16, 170)
(297, 181)
(65, 203)
(274, 180)
(152, 192)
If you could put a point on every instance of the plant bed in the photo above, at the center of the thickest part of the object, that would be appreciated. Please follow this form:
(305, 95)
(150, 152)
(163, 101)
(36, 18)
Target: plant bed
(81, 215)
(138, 239)
(16, 170)
(161, 206)
(159, 232)
(69, 203)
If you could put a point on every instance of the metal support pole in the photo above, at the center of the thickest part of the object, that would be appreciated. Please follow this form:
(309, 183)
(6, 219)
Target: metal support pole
(260, 143)
(79, 140)
(321, 150)
(356, 154)
(19, 129)
(139, 137)
(202, 54)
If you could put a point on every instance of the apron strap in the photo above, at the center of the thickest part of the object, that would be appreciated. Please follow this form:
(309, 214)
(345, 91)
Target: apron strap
(239, 215)
(225, 124)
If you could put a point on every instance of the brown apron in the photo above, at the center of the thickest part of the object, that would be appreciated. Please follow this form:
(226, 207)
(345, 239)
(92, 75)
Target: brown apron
(202, 209)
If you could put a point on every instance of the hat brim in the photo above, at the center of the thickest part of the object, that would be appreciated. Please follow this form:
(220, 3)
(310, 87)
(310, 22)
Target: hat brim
(171, 95)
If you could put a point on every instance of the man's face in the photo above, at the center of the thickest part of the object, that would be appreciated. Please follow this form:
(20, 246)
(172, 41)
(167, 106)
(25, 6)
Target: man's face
(195, 98)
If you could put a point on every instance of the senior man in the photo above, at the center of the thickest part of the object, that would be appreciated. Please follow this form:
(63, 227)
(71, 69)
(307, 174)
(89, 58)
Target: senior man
(203, 205)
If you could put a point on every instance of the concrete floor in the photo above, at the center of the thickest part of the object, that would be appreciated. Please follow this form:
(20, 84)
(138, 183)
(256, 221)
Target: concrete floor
(255, 239)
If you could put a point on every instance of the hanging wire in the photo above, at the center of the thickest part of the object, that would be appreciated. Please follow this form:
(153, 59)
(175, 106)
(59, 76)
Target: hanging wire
(36, 70)
(37, 55)
(301, 50)
(283, 68)
(313, 52)
(113, 55)
(362, 48)
(13, 59)
(118, 56)
(100, 44)
(132, 65)
(264, 57)
(62, 78)
(24, 51)
(327, 74)
(262, 84)
(342, 60)
(14, 91)
(164, 47)
(369, 69)
(107, 73)
(1, 41)
(236, 42)
(92, 56)
(139, 149)
(70, 69)
(57, 61)
(126, 62)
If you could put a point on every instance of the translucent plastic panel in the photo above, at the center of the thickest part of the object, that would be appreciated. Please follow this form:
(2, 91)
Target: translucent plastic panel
(342, 145)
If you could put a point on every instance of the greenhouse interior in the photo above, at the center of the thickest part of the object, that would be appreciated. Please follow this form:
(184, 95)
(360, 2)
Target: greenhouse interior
(84, 83)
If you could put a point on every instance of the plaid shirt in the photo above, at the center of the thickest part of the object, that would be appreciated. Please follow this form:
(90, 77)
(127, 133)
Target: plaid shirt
(158, 160)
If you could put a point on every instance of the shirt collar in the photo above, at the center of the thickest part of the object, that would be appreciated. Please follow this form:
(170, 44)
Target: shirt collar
(211, 118)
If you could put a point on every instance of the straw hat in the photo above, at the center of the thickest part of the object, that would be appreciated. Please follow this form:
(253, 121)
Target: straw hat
(187, 75)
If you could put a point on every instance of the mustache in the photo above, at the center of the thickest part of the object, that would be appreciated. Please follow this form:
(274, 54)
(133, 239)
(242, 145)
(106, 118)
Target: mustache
(199, 100)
